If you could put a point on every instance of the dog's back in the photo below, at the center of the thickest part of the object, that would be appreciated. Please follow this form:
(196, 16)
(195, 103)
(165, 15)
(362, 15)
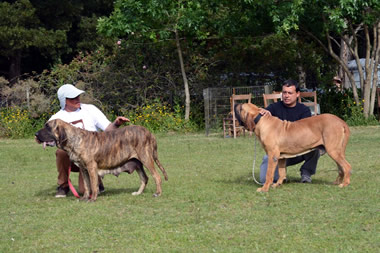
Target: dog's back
(127, 142)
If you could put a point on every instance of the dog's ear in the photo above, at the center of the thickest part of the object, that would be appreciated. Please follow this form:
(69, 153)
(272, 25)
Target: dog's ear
(62, 136)
(250, 122)
(248, 114)
(244, 117)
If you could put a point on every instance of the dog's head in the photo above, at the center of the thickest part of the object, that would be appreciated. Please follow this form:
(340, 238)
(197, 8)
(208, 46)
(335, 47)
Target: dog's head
(53, 134)
(246, 114)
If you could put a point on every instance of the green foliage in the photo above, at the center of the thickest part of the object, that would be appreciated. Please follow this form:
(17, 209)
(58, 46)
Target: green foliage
(20, 29)
(354, 115)
(155, 20)
(342, 105)
(337, 15)
(18, 123)
(158, 117)
(82, 68)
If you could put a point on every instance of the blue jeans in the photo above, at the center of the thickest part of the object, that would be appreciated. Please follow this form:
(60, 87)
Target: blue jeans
(307, 169)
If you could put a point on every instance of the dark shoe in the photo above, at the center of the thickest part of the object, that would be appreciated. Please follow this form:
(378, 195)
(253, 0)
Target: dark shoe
(305, 179)
(322, 151)
(101, 188)
(61, 192)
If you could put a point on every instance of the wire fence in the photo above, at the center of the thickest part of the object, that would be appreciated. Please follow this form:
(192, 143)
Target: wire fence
(217, 103)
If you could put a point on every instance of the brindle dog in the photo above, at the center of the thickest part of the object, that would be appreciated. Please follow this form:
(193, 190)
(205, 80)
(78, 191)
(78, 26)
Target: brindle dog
(100, 153)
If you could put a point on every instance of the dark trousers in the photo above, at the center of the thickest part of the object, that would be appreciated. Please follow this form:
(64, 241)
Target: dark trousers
(308, 168)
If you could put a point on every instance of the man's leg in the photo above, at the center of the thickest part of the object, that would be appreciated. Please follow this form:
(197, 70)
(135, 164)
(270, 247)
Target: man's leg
(264, 168)
(309, 167)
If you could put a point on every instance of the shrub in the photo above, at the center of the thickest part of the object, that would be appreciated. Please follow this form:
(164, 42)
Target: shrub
(15, 123)
(158, 117)
(342, 105)
(354, 115)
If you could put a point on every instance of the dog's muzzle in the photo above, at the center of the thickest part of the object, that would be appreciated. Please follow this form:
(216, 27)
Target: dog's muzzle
(45, 143)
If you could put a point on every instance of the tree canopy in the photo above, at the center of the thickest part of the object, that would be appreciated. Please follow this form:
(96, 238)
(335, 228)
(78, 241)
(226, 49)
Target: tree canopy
(20, 30)
(339, 25)
(192, 44)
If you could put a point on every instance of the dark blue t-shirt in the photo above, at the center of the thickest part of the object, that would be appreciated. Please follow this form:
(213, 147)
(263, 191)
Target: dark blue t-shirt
(279, 110)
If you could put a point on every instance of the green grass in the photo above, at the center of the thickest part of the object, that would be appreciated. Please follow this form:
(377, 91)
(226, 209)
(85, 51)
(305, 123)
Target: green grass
(209, 204)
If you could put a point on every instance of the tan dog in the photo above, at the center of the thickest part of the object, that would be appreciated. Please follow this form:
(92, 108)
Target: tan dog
(100, 153)
(284, 139)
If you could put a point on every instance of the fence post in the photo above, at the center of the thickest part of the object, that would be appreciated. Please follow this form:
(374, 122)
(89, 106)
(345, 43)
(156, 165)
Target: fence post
(206, 99)
(28, 97)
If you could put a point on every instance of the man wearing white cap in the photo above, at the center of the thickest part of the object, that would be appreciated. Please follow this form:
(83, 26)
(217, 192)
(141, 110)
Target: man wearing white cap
(84, 116)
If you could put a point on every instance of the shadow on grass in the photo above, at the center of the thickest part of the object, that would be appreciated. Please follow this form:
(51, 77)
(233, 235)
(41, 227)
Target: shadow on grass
(248, 180)
(108, 191)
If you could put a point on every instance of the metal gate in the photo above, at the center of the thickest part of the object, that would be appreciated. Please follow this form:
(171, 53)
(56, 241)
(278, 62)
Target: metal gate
(217, 103)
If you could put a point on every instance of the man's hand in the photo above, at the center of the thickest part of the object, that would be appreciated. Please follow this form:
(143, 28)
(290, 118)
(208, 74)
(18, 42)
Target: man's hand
(120, 120)
(264, 112)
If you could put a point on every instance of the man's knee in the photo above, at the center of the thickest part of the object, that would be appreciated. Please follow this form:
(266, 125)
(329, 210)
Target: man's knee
(313, 155)
(61, 154)
(63, 161)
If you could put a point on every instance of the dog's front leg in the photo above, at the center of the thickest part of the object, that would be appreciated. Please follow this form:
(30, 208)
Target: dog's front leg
(93, 175)
(272, 163)
(86, 184)
(281, 172)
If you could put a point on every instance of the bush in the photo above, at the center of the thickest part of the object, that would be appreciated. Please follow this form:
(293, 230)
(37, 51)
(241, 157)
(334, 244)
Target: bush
(354, 115)
(18, 123)
(158, 117)
(342, 105)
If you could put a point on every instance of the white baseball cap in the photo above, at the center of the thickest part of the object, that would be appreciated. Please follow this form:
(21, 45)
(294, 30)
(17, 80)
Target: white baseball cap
(67, 91)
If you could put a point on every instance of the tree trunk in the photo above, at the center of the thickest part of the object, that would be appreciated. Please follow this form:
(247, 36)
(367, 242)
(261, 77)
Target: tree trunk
(344, 66)
(375, 64)
(301, 77)
(367, 75)
(187, 92)
(300, 69)
(345, 56)
(15, 67)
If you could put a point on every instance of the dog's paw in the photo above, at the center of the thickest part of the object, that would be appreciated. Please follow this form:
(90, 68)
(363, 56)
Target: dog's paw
(157, 195)
(276, 185)
(136, 193)
(262, 189)
(83, 199)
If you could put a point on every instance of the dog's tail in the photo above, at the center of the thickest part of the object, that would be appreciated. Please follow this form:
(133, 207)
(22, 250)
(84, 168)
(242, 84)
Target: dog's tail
(346, 136)
(161, 168)
(155, 158)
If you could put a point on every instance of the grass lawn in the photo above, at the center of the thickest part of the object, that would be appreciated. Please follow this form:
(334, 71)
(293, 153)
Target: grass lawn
(209, 204)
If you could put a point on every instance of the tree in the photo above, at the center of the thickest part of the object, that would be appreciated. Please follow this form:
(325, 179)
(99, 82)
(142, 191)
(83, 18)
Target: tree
(159, 21)
(328, 22)
(20, 30)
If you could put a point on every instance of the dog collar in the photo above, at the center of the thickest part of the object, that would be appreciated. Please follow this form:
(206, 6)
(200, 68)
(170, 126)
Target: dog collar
(256, 120)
